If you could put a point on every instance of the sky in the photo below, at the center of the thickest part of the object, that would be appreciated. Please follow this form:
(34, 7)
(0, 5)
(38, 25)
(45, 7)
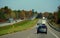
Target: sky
(37, 5)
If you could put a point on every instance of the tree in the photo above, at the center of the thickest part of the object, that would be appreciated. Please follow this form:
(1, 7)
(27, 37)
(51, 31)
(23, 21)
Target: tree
(22, 14)
(8, 12)
(39, 15)
(35, 12)
(18, 14)
(2, 16)
(15, 14)
(46, 14)
(50, 16)
(59, 12)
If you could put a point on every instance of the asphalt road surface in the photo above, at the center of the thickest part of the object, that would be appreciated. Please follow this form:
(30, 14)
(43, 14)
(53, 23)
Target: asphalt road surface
(32, 33)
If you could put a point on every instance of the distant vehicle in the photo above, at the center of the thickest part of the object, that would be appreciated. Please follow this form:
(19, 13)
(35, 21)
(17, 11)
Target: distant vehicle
(10, 20)
(43, 21)
(42, 29)
(43, 18)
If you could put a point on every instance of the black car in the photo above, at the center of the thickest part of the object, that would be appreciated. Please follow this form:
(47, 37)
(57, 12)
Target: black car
(42, 29)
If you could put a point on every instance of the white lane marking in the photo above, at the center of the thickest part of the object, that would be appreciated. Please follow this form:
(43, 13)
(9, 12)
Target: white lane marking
(52, 32)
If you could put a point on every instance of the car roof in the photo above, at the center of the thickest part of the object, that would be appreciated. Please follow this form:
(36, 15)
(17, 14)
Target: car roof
(43, 24)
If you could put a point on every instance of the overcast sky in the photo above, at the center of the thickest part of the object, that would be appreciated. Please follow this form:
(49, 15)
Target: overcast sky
(37, 5)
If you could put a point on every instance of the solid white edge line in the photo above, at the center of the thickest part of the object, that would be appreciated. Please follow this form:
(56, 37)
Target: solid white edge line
(53, 34)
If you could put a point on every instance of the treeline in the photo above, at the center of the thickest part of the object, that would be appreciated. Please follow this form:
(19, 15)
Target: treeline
(53, 16)
(7, 13)
(57, 16)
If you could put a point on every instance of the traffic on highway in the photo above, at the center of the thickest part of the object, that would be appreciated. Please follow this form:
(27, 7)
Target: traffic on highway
(40, 30)
(29, 18)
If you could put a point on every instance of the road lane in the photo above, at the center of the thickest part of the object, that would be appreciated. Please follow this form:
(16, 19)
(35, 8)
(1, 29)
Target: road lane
(41, 35)
(55, 32)
(50, 33)
(31, 33)
(6, 24)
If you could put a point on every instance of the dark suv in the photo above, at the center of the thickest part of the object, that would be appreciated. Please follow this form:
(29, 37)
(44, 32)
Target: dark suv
(42, 29)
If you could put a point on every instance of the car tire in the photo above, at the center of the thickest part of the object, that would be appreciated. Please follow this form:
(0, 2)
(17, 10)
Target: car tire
(37, 32)
(45, 32)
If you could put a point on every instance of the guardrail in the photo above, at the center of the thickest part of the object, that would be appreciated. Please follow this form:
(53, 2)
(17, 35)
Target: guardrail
(51, 25)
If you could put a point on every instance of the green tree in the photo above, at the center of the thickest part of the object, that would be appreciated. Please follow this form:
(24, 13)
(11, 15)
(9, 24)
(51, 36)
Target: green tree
(58, 15)
(50, 16)
(7, 12)
(18, 14)
(59, 12)
(2, 15)
(35, 12)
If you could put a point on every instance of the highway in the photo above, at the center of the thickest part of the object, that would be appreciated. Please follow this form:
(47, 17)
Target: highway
(32, 33)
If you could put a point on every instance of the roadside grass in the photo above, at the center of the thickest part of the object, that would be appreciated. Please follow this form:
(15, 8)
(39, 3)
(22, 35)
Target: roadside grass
(17, 27)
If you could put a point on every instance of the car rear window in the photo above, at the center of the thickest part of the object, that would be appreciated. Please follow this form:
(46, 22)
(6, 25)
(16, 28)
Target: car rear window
(43, 26)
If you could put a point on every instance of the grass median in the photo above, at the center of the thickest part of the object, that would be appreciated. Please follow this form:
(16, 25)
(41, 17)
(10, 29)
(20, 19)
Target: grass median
(17, 27)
